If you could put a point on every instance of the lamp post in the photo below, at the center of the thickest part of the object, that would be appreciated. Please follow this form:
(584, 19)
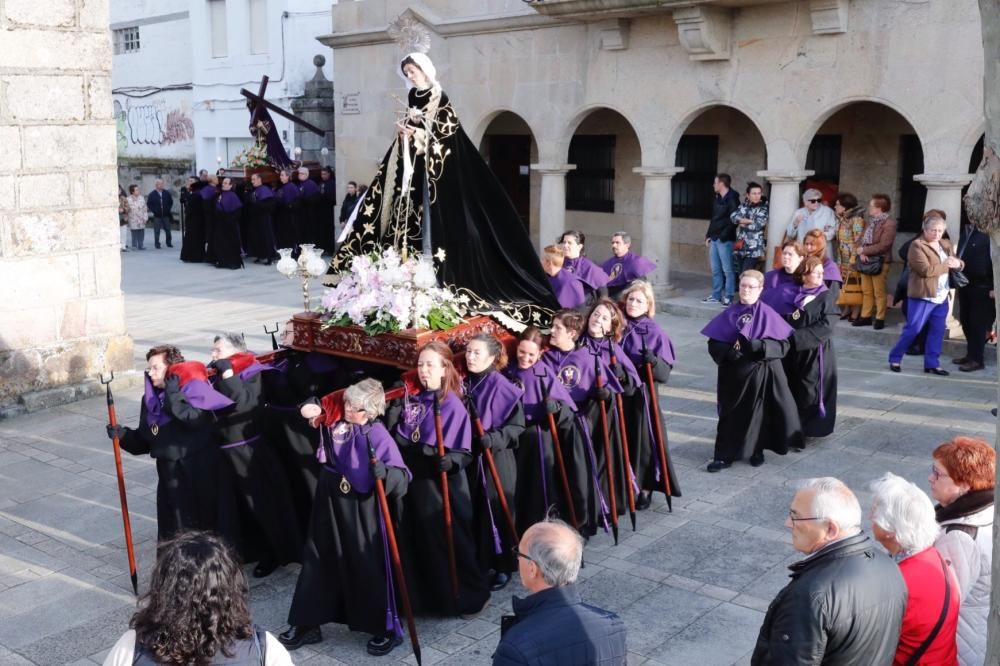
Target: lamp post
(309, 265)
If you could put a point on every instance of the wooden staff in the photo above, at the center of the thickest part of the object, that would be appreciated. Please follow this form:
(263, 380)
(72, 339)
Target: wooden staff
(608, 461)
(397, 564)
(126, 522)
(557, 450)
(657, 428)
(620, 408)
(492, 466)
(449, 534)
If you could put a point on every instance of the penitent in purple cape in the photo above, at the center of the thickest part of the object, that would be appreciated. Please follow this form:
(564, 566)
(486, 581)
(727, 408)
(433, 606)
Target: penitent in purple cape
(199, 393)
(777, 277)
(347, 452)
(788, 298)
(576, 372)
(208, 192)
(532, 384)
(494, 396)
(308, 187)
(586, 271)
(417, 421)
(228, 202)
(644, 329)
(568, 289)
(630, 266)
(262, 193)
(289, 193)
(753, 322)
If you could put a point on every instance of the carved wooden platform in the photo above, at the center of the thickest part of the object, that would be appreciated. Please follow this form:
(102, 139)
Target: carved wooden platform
(395, 349)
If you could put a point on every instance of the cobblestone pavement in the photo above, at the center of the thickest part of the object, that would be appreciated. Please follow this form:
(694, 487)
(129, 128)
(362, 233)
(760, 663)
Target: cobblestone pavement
(692, 585)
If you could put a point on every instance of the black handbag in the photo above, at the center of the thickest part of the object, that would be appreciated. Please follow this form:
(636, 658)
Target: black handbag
(957, 279)
(871, 267)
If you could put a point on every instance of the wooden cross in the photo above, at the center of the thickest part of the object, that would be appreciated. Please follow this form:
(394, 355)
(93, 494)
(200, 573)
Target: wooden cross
(257, 103)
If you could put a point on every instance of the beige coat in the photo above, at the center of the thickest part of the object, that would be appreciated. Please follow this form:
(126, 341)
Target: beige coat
(926, 267)
(135, 210)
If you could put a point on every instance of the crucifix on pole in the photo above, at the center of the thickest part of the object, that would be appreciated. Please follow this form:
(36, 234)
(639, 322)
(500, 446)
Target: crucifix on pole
(262, 126)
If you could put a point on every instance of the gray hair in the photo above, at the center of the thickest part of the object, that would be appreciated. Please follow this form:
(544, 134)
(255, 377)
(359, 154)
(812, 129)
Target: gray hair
(932, 217)
(234, 340)
(557, 549)
(367, 395)
(835, 502)
(303, 170)
(811, 193)
(625, 236)
(902, 508)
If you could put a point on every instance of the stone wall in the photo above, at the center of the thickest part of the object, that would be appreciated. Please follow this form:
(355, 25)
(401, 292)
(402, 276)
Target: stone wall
(63, 319)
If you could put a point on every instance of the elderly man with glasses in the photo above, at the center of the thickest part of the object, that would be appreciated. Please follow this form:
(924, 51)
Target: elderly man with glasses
(552, 625)
(846, 599)
(814, 214)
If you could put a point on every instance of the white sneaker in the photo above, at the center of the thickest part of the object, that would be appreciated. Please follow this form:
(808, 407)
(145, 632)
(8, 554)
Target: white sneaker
(710, 299)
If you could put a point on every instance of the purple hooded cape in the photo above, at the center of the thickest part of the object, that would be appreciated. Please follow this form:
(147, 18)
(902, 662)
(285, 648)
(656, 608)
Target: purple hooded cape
(417, 421)
(308, 187)
(534, 398)
(753, 322)
(656, 339)
(790, 297)
(831, 272)
(208, 192)
(568, 289)
(628, 267)
(575, 370)
(777, 277)
(346, 449)
(199, 393)
(289, 193)
(494, 397)
(262, 193)
(602, 345)
(586, 271)
(228, 202)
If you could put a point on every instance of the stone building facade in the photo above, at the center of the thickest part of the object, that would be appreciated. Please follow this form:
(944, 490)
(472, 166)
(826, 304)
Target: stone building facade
(614, 114)
(62, 318)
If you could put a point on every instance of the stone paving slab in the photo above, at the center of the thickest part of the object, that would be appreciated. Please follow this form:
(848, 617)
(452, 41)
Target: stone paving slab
(691, 585)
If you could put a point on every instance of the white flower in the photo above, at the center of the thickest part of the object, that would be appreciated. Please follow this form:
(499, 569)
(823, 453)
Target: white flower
(423, 276)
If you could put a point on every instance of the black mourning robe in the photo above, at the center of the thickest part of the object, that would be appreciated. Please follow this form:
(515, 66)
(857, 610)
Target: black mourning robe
(811, 366)
(328, 215)
(260, 205)
(208, 216)
(228, 240)
(193, 243)
(287, 232)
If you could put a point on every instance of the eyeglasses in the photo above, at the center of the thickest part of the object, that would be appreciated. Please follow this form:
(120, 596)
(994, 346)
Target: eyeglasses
(516, 553)
(794, 519)
(937, 474)
(813, 200)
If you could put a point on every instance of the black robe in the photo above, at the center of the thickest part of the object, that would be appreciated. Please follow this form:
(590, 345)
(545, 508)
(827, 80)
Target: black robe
(261, 241)
(328, 215)
(228, 242)
(756, 407)
(310, 223)
(287, 232)
(208, 216)
(811, 366)
(193, 243)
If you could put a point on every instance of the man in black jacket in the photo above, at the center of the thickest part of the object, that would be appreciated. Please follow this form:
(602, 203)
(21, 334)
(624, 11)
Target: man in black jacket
(719, 241)
(846, 600)
(976, 306)
(159, 202)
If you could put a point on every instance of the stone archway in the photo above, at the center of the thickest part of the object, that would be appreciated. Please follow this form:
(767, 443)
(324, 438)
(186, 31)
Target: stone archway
(508, 146)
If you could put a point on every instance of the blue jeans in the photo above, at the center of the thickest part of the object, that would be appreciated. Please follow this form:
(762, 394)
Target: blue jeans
(918, 314)
(720, 254)
(161, 223)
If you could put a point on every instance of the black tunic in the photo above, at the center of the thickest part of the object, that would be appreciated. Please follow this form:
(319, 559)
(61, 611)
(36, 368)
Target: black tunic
(643, 447)
(227, 239)
(261, 242)
(193, 243)
(811, 366)
(286, 220)
(327, 215)
(208, 216)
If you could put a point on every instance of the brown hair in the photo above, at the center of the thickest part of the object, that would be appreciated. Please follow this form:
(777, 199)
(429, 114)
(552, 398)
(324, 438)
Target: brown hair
(451, 382)
(819, 240)
(171, 354)
(795, 244)
(493, 347)
(532, 334)
(883, 201)
(571, 319)
(968, 460)
(617, 318)
(808, 265)
(847, 200)
(554, 255)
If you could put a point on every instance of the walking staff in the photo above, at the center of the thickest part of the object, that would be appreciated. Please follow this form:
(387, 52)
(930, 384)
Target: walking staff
(491, 464)
(608, 460)
(654, 398)
(620, 409)
(127, 523)
(449, 534)
(557, 450)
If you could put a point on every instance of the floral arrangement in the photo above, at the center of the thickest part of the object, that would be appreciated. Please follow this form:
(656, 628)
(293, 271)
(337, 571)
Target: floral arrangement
(385, 293)
(252, 156)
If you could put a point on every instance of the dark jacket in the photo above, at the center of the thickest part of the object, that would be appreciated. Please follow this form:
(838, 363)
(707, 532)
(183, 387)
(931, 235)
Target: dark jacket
(883, 237)
(720, 227)
(844, 606)
(347, 207)
(974, 250)
(554, 627)
(160, 203)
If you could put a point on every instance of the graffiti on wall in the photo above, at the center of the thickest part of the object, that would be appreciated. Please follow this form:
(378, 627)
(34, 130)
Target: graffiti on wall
(149, 123)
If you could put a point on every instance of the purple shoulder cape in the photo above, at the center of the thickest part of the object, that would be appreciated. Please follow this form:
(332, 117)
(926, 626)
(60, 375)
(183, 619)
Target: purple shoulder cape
(576, 372)
(656, 339)
(417, 421)
(208, 192)
(262, 193)
(289, 193)
(831, 272)
(586, 271)
(229, 202)
(605, 346)
(535, 387)
(790, 297)
(494, 397)
(199, 393)
(568, 290)
(308, 187)
(753, 322)
(777, 277)
(347, 452)
(622, 270)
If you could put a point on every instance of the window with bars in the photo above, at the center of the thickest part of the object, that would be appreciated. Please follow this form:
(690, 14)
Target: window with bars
(824, 157)
(691, 189)
(912, 195)
(591, 185)
(126, 40)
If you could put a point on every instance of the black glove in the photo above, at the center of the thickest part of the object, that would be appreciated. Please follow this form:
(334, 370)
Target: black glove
(429, 450)
(649, 356)
(378, 469)
(117, 430)
(552, 407)
(755, 346)
(621, 373)
(223, 364)
(172, 384)
(491, 439)
(601, 393)
(445, 464)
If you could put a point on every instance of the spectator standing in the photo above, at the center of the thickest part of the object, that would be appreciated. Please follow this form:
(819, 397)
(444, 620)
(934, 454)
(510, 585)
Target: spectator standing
(160, 204)
(552, 625)
(814, 214)
(328, 211)
(845, 602)
(850, 229)
(350, 201)
(197, 611)
(135, 209)
(930, 259)
(719, 240)
(903, 522)
(962, 478)
(624, 266)
(976, 307)
(750, 220)
(875, 246)
(123, 218)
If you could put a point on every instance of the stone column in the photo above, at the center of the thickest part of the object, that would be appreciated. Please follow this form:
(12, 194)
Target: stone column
(783, 201)
(656, 203)
(944, 191)
(62, 318)
(552, 202)
(316, 106)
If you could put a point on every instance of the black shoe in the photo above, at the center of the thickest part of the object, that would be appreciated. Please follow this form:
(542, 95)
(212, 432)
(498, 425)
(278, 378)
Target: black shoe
(895, 367)
(961, 361)
(940, 372)
(971, 366)
(643, 501)
(157, 246)
(993, 411)
(718, 465)
(267, 263)
(863, 321)
(169, 245)
(500, 581)
(757, 459)
(264, 568)
(257, 261)
(382, 645)
(879, 324)
(296, 637)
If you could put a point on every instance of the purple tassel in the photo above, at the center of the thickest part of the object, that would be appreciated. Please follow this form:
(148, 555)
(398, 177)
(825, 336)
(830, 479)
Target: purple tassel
(822, 406)
(593, 471)
(497, 548)
(541, 466)
(321, 451)
(391, 614)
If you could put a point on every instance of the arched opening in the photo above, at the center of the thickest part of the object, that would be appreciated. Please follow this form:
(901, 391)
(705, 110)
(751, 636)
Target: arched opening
(719, 139)
(603, 195)
(974, 160)
(508, 146)
(867, 147)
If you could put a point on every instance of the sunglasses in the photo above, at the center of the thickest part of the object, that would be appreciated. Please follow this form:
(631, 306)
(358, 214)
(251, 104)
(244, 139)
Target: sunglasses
(813, 200)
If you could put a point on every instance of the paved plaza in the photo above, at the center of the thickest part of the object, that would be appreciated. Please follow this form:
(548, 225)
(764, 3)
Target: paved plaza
(692, 585)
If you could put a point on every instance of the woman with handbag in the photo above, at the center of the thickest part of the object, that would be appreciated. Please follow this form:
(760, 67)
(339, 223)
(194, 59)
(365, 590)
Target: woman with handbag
(850, 229)
(874, 252)
(931, 260)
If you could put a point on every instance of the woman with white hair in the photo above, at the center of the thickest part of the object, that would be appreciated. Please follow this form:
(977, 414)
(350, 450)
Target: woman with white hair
(903, 522)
